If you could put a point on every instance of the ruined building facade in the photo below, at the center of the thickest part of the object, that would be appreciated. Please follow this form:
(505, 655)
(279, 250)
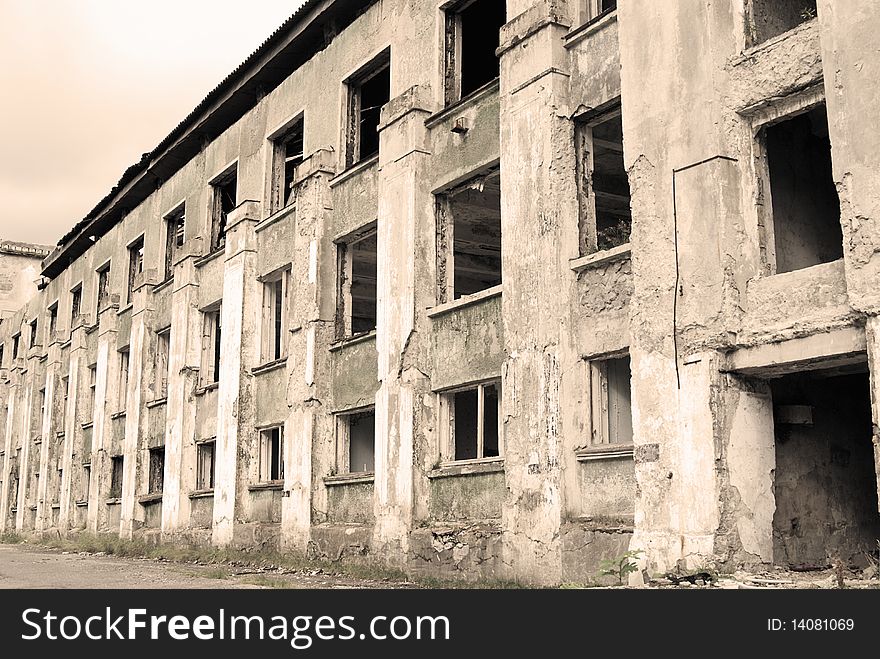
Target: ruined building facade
(481, 288)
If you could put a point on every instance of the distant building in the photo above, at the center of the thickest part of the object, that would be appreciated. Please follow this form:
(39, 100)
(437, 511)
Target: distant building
(19, 272)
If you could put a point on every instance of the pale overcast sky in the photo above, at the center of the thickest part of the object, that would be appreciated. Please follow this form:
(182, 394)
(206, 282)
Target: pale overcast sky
(87, 86)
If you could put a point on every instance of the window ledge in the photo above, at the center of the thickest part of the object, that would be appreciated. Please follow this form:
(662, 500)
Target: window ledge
(353, 340)
(278, 215)
(270, 485)
(59, 434)
(87, 425)
(33, 506)
(466, 301)
(468, 468)
(162, 285)
(148, 499)
(118, 415)
(349, 479)
(157, 403)
(113, 501)
(269, 366)
(207, 258)
(596, 259)
(38, 441)
(56, 506)
(206, 388)
(125, 309)
(82, 504)
(592, 26)
(89, 329)
(474, 97)
(201, 494)
(354, 170)
(605, 452)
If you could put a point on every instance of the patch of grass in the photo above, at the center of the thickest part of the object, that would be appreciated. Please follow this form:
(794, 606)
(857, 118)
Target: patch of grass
(214, 573)
(11, 539)
(267, 582)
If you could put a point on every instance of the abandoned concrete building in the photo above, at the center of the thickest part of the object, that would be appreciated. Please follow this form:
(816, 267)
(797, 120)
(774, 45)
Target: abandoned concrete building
(481, 288)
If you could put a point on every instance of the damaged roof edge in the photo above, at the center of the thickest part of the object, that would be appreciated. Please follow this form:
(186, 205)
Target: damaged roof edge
(307, 32)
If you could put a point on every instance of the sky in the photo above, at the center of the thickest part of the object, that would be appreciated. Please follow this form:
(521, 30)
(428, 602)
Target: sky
(87, 86)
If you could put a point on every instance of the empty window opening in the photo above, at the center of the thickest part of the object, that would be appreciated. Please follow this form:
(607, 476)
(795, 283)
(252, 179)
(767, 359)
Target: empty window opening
(135, 265)
(85, 482)
(356, 299)
(287, 155)
(160, 374)
(211, 344)
(469, 237)
(116, 470)
(53, 322)
(368, 91)
(205, 465)
(33, 333)
(16, 346)
(356, 439)
(472, 37)
(75, 305)
(610, 401)
(605, 218)
(766, 19)
(590, 9)
(271, 455)
(103, 296)
(175, 235)
(274, 334)
(472, 422)
(224, 200)
(825, 483)
(156, 477)
(805, 206)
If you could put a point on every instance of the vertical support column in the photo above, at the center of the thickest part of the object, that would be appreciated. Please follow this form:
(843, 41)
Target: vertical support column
(8, 448)
(308, 367)
(44, 504)
(27, 442)
(872, 332)
(183, 368)
(72, 429)
(538, 210)
(99, 484)
(235, 405)
(405, 287)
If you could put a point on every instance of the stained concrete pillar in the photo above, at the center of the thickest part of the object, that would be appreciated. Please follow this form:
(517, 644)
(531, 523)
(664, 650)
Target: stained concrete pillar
(8, 431)
(26, 428)
(872, 334)
(184, 359)
(105, 373)
(73, 431)
(539, 233)
(46, 463)
(404, 286)
(312, 288)
(240, 313)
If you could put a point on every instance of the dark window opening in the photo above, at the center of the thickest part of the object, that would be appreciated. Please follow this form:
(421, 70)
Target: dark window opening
(825, 483)
(135, 265)
(75, 305)
(103, 296)
(205, 466)
(157, 470)
(474, 424)
(16, 345)
(33, 333)
(288, 155)
(271, 455)
(769, 18)
(367, 93)
(469, 221)
(472, 37)
(225, 199)
(53, 321)
(116, 467)
(175, 234)
(361, 442)
(806, 208)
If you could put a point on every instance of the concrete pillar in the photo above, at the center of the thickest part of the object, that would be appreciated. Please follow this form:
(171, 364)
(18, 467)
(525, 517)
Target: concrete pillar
(404, 285)
(240, 311)
(27, 442)
(538, 210)
(312, 291)
(872, 333)
(47, 453)
(183, 373)
(72, 431)
(105, 373)
(9, 450)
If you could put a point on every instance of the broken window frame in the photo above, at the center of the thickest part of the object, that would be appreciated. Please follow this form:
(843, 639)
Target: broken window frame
(585, 144)
(345, 279)
(135, 266)
(156, 470)
(117, 474)
(175, 236)
(453, 54)
(445, 235)
(32, 333)
(102, 297)
(344, 422)
(124, 361)
(75, 304)
(211, 345)
(779, 112)
(589, 10)
(52, 321)
(602, 404)
(206, 465)
(161, 362)
(285, 164)
(222, 204)
(85, 481)
(446, 406)
(354, 112)
(270, 466)
(275, 316)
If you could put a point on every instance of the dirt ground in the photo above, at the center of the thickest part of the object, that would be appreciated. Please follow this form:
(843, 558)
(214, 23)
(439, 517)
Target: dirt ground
(27, 566)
